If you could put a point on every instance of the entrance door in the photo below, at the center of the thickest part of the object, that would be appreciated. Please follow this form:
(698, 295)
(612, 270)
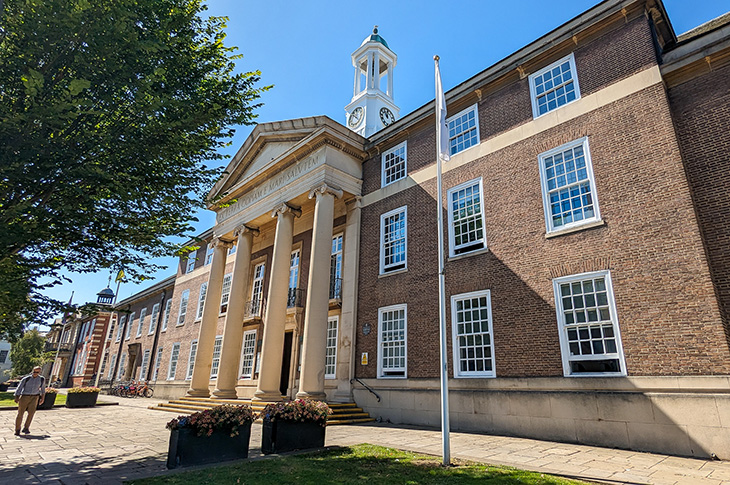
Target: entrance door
(286, 363)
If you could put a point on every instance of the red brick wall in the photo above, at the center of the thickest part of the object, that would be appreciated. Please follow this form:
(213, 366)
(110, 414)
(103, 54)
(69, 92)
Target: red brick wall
(612, 57)
(701, 109)
(668, 316)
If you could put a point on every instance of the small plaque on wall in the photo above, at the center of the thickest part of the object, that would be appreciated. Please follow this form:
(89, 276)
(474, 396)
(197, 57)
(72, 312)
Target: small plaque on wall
(366, 329)
(364, 359)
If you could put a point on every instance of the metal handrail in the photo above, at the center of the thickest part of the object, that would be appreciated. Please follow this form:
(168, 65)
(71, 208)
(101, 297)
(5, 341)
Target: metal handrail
(335, 288)
(53, 346)
(366, 387)
(254, 308)
(295, 298)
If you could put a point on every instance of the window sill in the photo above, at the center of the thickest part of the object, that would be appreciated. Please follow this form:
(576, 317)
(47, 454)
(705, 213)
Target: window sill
(483, 376)
(391, 273)
(452, 155)
(536, 115)
(394, 181)
(570, 230)
(466, 255)
(596, 374)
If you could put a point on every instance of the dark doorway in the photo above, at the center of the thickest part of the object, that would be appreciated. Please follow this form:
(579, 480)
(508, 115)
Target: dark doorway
(286, 363)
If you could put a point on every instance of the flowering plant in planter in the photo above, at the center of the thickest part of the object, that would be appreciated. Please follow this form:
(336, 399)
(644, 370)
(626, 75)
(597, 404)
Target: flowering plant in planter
(298, 411)
(49, 399)
(77, 390)
(228, 418)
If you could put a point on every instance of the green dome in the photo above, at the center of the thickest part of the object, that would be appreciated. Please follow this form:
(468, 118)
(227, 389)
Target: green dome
(375, 38)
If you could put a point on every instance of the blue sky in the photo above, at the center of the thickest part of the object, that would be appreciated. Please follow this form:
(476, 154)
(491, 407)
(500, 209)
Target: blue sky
(303, 48)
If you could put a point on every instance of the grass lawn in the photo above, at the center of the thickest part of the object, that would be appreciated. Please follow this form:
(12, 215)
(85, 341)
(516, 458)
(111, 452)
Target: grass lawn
(7, 400)
(361, 464)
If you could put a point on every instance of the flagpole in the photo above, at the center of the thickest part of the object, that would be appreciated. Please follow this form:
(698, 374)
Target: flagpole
(441, 149)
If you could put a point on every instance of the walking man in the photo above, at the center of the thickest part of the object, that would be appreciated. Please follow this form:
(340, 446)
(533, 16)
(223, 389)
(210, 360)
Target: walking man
(30, 393)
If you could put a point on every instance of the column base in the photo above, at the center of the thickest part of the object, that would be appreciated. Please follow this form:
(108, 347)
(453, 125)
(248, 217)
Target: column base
(224, 394)
(267, 396)
(342, 395)
(198, 392)
(314, 396)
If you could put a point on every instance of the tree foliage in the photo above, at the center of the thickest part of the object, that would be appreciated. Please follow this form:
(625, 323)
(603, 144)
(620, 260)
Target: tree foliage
(111, 115)
(27, 353)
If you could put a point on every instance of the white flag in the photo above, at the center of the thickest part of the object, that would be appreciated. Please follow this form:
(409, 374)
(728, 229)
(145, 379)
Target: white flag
(442, 131)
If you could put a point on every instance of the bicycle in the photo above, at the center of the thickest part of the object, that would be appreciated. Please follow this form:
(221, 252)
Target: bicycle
(144, 390)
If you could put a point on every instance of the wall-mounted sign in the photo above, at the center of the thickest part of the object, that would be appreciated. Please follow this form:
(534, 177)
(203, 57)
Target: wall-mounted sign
(364, 359)
(366, 329)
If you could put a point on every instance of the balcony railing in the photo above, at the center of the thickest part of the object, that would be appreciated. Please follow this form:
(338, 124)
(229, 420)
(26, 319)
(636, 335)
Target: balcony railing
(254, 309)
(335, 288)
(55, 346)
(295, 298)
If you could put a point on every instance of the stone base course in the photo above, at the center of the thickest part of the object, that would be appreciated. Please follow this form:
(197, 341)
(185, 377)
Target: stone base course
(116, 443)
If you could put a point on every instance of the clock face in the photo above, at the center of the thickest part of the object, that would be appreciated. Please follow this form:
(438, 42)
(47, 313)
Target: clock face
(386, 116)
(355, 117)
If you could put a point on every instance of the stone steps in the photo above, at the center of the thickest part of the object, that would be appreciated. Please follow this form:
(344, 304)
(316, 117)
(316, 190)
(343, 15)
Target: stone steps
(343, 413)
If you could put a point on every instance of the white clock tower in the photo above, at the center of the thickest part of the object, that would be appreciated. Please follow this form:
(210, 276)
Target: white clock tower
(372, 107)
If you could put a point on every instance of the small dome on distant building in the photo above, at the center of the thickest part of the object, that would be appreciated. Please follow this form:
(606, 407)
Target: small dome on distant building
(105, 296)
(375, 38)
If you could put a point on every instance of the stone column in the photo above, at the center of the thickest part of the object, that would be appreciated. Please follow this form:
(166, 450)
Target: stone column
(390, 79)
(272, 346)
(233, 329)
(199, 384)
(311, 380)
(346, 358)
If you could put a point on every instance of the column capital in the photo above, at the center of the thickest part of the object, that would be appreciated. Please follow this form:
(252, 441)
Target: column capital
(244, 229)
(354, 203)
(218, 242)
(284, 208)
(325, 189)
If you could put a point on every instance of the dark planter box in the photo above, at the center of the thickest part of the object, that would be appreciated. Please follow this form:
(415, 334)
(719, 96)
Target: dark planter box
(283, 436)
(188, 449)
(48, 402)
(3, 387)
(81, 399)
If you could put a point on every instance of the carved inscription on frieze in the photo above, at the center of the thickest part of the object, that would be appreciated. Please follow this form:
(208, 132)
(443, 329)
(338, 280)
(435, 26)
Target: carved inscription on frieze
(269, 186)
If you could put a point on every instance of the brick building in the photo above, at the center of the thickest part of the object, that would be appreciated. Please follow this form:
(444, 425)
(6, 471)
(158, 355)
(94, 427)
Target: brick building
(77, 342)
(587, 264)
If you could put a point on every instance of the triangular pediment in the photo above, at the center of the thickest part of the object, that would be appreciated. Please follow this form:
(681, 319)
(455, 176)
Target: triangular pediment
(272, 147)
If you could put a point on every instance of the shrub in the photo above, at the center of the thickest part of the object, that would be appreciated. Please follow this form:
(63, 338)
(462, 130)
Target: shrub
(50, 390)
(75, 390)
(227, 418)
(298, 411)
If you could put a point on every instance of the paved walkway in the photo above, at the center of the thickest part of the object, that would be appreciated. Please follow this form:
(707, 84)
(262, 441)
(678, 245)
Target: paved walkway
(109, 444)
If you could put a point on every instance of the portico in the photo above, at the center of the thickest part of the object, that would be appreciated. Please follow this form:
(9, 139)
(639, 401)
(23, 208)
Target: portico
(291, 190)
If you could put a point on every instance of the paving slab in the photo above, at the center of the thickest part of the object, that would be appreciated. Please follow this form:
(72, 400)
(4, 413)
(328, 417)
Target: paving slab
(111, 444)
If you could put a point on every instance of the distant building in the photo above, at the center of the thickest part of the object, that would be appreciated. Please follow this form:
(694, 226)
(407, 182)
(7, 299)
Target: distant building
(586, 220)
(5, 363)
(77, 341)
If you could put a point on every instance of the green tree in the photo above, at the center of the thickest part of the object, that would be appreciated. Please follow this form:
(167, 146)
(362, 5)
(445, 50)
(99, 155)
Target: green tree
(111, 117)
(27, 353)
